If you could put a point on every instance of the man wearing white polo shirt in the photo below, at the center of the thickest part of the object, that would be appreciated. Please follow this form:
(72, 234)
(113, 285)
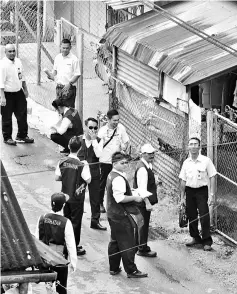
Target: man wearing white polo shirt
(66, 72)
(115, 139)
(13, 97)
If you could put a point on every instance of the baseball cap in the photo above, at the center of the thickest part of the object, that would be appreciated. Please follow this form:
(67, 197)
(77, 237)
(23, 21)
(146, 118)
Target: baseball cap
(147, 148)
(58, 102)
(59, 199)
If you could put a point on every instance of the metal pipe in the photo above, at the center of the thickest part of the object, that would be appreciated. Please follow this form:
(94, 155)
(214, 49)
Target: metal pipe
(68, 22)
(27, 277)
(227, 179)
(227, 237)
(226, 119)
(168, 122)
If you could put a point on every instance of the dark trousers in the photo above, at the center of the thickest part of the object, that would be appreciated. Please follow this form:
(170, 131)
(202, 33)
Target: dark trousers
(69, 98)
(94, 188)
(74, 210)
(145, 229)
(15, 103)
(62, 140)
(197, 203)
(105, 169)
(62, 274)
(121, 246)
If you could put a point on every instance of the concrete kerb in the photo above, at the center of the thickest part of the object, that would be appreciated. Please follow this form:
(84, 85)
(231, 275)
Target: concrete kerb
(41, 118)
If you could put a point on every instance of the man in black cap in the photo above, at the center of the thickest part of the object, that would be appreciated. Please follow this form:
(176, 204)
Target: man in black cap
(56, 231)
(75, 175)
(120, 204)
(68, 126)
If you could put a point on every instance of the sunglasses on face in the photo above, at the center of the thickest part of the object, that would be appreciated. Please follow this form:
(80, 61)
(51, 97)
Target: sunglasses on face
(123, 162)
(91, 128)
(11, 51)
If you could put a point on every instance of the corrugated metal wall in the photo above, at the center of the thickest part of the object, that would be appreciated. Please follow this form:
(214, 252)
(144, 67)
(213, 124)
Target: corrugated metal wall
(136, 74)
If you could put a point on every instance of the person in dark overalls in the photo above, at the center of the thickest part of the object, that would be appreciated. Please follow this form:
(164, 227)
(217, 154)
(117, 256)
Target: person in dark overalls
(75, 175)
(68, 126)
(56, 231)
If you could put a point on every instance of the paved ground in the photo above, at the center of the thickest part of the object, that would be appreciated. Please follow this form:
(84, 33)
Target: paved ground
(172, 272)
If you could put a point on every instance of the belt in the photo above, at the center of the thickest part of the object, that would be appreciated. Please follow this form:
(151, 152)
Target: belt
(196, 187)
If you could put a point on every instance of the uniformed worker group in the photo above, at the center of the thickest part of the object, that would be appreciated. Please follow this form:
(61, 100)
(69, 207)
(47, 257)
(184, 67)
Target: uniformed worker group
(97, 160)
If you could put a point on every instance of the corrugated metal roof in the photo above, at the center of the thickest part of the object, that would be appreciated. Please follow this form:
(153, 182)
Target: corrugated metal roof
(162, 44)
(18, 250)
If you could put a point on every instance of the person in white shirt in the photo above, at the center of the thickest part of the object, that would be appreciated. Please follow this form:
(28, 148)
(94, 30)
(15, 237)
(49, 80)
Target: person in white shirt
(13, 97)
(144, 180)
(197, 173)
(91, 148)
(56, 231)
(115, 139)
(69, 125)
(121, 201)
(74, 175)
(66, 72)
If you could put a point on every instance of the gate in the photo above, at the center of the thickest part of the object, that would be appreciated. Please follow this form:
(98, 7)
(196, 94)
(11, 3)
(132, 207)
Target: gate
(225, 156)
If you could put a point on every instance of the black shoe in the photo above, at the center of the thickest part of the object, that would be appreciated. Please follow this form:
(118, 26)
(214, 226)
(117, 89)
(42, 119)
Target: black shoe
(98, 226)
(137, 274)
(114, 273)
(65, 151)
(147, 254)
(10, 142)
(25, 140)
(193, 243)
(80, 251)
(207, 248)
(102, 208)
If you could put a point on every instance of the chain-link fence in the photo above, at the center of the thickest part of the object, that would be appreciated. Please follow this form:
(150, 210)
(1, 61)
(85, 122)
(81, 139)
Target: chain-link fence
(147, 121)
(225, 156)
(28, 23)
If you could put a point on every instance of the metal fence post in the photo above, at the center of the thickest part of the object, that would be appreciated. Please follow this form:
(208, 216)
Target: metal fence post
(39, 39)
(58, 33)
(17, 26)
(80, 54)
(215, 163)
(210, 153)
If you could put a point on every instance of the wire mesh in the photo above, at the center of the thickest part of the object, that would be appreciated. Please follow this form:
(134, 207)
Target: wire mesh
(88, 16)
(226, 162)
(26, 13)
(148, 122)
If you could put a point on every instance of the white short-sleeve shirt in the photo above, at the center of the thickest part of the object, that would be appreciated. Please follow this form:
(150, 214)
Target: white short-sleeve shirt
(196, 173)
(66, 67)
(115, 145)
(11, 75)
